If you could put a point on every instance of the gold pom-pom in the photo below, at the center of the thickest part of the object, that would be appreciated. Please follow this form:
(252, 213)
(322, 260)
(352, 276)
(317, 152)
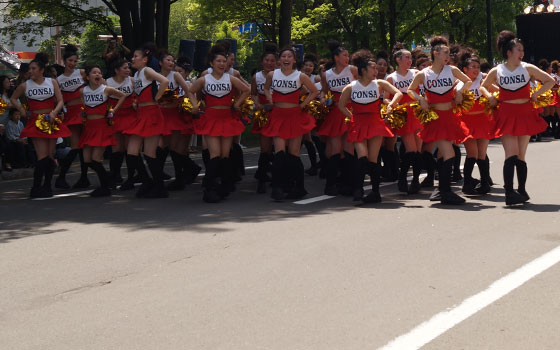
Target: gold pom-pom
(487, 108)
(3, 106)
(544, 99)
(467, 104)
(423, 116)
(186, 105)
(316, 109)
(47, 124)
(260, 117)
(397, 118)
(329, 99)
(246, 108)
(110, 115)
(169, 96)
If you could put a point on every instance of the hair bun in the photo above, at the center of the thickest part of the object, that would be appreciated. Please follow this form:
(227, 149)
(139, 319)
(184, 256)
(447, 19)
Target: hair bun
(333, 45)
(42, 57)
(70, 48)
(270, 48)
(438, 40)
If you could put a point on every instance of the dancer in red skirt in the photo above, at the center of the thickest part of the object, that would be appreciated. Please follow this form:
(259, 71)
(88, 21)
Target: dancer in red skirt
(269, 60)
(480, 125)
(70, 82)
(308, 68)
(175, 122)
(98, 133)
(124, 119)
(190, 168)
(516, 119)
(367, 128)
(401, 79)
(439, 81)
(149, 126)
(43, 97)
(333, 127)
(219, 124)
(287, 124)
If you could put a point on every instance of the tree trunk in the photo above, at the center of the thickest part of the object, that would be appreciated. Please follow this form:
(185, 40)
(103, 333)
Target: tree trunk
(392, 24)
(382, 30)
(147, 16)
(125, 20)
(285, 23)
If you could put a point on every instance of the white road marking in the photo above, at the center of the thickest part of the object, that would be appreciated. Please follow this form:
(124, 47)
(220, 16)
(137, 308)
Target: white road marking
(62, 195)
(443, 321)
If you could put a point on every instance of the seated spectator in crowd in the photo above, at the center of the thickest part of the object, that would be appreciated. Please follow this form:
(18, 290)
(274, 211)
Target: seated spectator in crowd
(19, 153)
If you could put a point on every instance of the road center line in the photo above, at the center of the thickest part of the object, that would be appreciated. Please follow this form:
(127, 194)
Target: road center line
(443, 321)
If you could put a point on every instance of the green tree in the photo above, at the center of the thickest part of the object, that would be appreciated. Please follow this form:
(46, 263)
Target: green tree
(186, 23)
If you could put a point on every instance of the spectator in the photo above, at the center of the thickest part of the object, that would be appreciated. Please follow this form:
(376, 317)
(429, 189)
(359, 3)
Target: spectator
(5, 93)
(19, 153)
(114, 49)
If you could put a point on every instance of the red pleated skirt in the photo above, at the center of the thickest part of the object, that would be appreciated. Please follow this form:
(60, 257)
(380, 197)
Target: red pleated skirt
(189, 124)
(447, 127)
(149, 122)
(97, 134)
(364, 126)
(218, 122)
(31, 130)
(125, 119)
(480, 125)
(174, 120)
(412, 125)
(517, 120)
(288, 123)
(333, 124)
(73, 115)
(556, 102)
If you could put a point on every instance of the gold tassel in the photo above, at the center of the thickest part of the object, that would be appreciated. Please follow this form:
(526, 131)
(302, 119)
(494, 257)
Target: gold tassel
(467, 104)
(544, 99)
(397, 118)
(423, 116)
(3, 106)
(169, 95)
(47, 125)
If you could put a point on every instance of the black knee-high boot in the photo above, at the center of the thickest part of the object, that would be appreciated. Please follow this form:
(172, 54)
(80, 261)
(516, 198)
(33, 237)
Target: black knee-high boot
(131, 165)
(295, 166)
(406, 160)
(179, 182)
(374, 170)
(349, 168)
(49, 172)
(115, 165)
(312, 153)
(436, 194)
(190, 170)
(490, 181)
(210, 194)
(83, 182)
(104, 179)
(484, 168)
(227, 175)
(447, 196)
(161, 156)
(322, 156)
(521, 167)
(38, 190)
(156, 168)
(416, 159)
(236, 156)
(262, 172)
(65, 164)
(556, 126)
(138, 165)
(358, 188)
(205, 157)
(429, 163)
(469, 183)
(512, 196)
(456, 164)
(331, 170)
(279, 167)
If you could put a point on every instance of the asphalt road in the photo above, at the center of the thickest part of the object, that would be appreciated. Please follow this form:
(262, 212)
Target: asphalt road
(123, 273)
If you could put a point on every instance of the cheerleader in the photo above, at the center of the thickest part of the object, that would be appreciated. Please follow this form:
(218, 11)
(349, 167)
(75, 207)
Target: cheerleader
(367, 128)
(41, 94)
(124, 119)
(401, 79)
(439, 81)
(190, 168)
(333, 127)
(287, 124)
(516, 119)
(70, 82)
(98, 131)
(555, 65)
(175, 122)
(480, 125)
(219, 124)
(269, 60)
(308, 68)
(149, 126)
